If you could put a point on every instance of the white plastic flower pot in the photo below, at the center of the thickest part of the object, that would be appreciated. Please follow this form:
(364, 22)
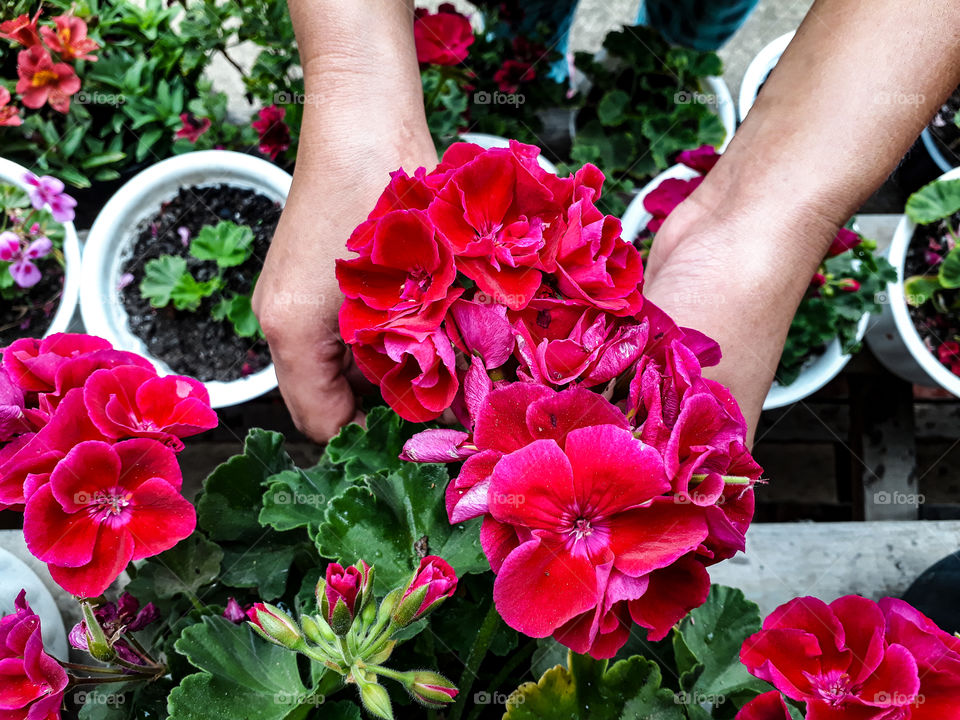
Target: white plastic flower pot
(933, 150)
(17, 576)
(758, 70)
(894, 338)
(487, 141)
(816, 372)
(114, 233)
(12, 174)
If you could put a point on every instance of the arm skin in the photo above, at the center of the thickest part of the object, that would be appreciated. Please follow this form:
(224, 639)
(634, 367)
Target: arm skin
(844, 104)
(363, 119)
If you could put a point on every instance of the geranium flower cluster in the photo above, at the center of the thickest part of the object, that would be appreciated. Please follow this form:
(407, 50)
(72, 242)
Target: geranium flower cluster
(854, 658)
(44, 69)
(24, 233)
(499, 290)
(88, 444)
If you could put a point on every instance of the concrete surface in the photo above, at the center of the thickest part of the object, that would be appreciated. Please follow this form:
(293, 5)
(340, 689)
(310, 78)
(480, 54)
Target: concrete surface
(828, 560)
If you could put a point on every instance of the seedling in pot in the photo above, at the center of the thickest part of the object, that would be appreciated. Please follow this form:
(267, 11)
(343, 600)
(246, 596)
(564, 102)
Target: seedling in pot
(167, 279)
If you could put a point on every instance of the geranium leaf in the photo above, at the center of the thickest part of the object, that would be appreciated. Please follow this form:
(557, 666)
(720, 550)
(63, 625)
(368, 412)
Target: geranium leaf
(376, 448)
(594, 689)
(160, 277)
(920, 288)
(940, 199)
(950, 270)
(242, 675)
(298, 498)
(183, 569)
(232, 494)
(707, 647)
(225, 243)
(394, 521)
(264, 567)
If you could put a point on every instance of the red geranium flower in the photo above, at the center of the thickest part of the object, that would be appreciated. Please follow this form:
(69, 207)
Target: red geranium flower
(949, 354)
(9, 114)
(702, 159)
(662, 200)
(33, 682)
(769, 706)
(845, 240)
(191, 127)
(22, 29)
(70, 39)
(835, 658)
(103, 507)
(514, 73)
(937, 654)
(130, 401)
(442, 38)
(273, 131)
(42, 80)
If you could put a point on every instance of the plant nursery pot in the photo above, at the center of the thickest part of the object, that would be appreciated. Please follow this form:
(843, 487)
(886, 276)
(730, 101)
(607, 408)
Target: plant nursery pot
(12, 174)
(937, 152)
(115, 231)
(894, 338)
(817, 371)
(18, 575)
(487, 141)
(758, 70)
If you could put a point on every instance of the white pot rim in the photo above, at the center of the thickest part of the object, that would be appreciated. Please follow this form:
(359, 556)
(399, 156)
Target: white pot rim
(113, 230)
(725, 107)
(817, 373)
(930, 145)
(12, 173)
(758, 70)
(937, 371)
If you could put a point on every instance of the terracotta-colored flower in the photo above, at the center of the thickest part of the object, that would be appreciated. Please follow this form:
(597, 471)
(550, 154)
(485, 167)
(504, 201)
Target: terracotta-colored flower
(44, 81)
(9, 114)
(70, 39)
(22, 29)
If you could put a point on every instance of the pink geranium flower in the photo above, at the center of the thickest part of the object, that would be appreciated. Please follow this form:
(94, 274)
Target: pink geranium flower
(33, 681)
(769, 706)
(191, 127)
(9, 114)
(588, 520)
(104, 506)
(835, 658)
(47, 192)
(12, 418)
(342, 587)
(130, 401)
(33, 364)
(845, 239)
(663, 199)
(442, 38)
(273, 131)
(439, 580)
(702, 159)
(21, 255)
(42, 80)
(70, 40)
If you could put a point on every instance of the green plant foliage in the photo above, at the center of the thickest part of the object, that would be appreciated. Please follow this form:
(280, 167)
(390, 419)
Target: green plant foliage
(938, 200)
(226, 243)
(166, 280)
(831, 311)
(182, 570)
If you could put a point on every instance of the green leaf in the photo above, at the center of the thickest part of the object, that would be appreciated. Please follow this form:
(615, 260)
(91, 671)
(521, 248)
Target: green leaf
(239, 311)
(612, 106)
(161, 276)
(594, 689)
(949, 273)
(298, 498)
(107, 158)
(397, 520)
(225, 243)
(183, 569)
(188, 293)
(936, 201)
(707, 647)
(243, 675)
(920, 288)
(265, 567)
(233, 492)
(370, 450)
(147, 141)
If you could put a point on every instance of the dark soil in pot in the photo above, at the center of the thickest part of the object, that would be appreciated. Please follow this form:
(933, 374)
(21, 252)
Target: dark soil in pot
(934, 327)
(30, 315)
(945, 130)
(193, 343)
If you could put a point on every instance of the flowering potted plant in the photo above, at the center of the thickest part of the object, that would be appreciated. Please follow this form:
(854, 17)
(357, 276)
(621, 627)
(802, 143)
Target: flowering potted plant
(919, 333)
(832, 318)
(173, 258)
(39, 254)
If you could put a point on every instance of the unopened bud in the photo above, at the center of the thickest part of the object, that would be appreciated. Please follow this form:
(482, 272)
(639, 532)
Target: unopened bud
(275, 625)
(97, 644)
(375, 698)
(431, 688)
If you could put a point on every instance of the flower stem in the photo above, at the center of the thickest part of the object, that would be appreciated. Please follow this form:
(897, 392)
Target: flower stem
(698, 478)
(488, 629)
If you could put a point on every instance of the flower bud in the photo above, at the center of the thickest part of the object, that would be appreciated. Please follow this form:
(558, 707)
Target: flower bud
(432, 583)
(343, 594)
(317, 630)
(848, 285)
(375, 698)
(233, 612)
(97, 644)
(818, 280)
(430, 688)
(275, 625)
